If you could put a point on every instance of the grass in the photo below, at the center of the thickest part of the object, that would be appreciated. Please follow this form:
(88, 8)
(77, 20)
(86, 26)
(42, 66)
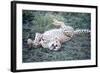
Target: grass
(78, 48)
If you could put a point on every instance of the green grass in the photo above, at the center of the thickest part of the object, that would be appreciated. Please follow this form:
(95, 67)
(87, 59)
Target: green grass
(78, 48)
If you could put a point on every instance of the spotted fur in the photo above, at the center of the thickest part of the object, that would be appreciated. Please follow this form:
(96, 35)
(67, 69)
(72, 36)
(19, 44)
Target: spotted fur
(53, 39)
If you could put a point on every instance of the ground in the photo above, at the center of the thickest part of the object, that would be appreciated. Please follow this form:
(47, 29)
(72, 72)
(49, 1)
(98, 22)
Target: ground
(78, 48)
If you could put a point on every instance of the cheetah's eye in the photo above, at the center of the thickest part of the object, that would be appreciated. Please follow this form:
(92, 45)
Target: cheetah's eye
(52, 45)
(55, 45)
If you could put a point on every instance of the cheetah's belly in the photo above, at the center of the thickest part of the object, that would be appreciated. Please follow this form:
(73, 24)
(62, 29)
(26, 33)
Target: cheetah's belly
(55, 33)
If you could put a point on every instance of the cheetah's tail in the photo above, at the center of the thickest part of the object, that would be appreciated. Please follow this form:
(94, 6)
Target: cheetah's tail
(79, 31)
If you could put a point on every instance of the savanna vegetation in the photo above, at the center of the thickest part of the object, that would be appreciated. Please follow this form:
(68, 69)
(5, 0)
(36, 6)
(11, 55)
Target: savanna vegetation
(79, 48)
